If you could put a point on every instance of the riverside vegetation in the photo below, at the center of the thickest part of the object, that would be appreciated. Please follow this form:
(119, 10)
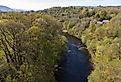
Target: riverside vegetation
(30, 46)
(100, 30)
(31, 43)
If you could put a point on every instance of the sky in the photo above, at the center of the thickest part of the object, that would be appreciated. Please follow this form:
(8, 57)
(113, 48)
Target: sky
(43, 4)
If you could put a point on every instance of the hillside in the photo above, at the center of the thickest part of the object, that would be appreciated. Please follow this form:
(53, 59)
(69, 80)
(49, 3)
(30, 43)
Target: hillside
(5, 8)
(32, 43)
(30, 46)
(100, 30)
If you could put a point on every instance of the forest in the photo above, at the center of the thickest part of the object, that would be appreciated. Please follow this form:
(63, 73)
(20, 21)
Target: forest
(32, 42)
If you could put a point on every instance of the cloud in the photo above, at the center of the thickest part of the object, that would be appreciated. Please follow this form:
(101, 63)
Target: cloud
(42, 4)
(35, 4)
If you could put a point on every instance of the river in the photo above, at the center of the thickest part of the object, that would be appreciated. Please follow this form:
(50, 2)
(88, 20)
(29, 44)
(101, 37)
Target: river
(75, 65)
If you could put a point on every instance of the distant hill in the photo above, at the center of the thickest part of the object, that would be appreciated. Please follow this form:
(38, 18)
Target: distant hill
(5, 9)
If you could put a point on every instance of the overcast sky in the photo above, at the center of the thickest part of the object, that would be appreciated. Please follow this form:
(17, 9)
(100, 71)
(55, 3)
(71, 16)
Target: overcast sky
(43, 4)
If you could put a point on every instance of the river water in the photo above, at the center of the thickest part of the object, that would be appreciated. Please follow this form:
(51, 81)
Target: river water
(75, 64)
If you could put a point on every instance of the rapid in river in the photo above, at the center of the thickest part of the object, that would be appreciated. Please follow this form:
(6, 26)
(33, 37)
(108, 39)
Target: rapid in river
(75, 64)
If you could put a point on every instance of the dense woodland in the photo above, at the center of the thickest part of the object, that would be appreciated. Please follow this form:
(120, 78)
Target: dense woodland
(31, 45)
(100, 29)
(31, 42)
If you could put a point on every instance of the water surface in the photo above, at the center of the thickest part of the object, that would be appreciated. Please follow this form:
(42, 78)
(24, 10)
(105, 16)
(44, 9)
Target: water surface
(76, 65)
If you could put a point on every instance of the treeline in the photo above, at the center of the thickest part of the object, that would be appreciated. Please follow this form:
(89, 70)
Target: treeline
(100, 29)
(30, 46)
